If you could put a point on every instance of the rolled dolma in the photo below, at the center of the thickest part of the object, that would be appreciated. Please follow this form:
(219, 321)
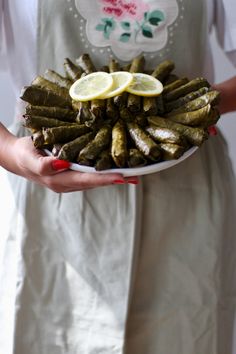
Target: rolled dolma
(63, 134)
(164, 135)
(71, 150)
(73, 71)
(96, 146)
(183, 90)
(77, 105)
(195, 136)
(171, 151)
(153, 105)
(194, 118)
(143, 142)
(150, 105)
(37, 122)
(169, 106)
(137, 64)
(134, 101)
(85, 62)
(56, 148)
(136, 158)
(98, 107)
(51, 112)
(85, 116)
(113, 66)
(57, 79)
(160, 105)
(119, 151)
(141, 120)
(104, 161)
(212, 118)
(85, 162)
(112, 112)
(163, 69)
(51, 86)
(41, 97)
(175, 84)
(211, 97)
(120, 101)
(126, 115)
(38, 139)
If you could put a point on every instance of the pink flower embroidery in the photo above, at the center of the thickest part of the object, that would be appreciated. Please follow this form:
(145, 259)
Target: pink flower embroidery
(125, 9)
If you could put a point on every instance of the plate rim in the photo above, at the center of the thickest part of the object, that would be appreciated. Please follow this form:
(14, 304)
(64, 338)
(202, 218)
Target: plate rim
(133, 171)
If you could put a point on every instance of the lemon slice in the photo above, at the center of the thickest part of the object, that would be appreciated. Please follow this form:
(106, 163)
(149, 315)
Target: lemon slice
(145, 85)
(121, 80)
(91, 86)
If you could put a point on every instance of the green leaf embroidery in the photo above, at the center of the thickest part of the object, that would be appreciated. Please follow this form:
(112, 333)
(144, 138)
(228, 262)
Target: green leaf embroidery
(107, 31)
(106, 34)
(106, 19)
(109, 22)
(125, 37)
(125, 25)
(155, 17)
(106, 27)
(147, 31)
(100, 27)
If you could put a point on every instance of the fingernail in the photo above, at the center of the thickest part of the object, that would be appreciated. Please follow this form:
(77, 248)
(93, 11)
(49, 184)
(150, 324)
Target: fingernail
(135, 181)
(60, 164)
(118, 181)
(212, 130)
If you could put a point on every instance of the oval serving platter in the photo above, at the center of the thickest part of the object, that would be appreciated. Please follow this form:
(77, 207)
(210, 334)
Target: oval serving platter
(139, 171)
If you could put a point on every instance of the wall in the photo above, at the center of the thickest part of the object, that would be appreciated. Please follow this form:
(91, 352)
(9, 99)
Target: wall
(224, 70)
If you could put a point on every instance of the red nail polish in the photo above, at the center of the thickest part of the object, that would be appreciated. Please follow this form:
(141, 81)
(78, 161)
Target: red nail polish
(133, 181)
(60, 164)
(212, 130)
(118, 181)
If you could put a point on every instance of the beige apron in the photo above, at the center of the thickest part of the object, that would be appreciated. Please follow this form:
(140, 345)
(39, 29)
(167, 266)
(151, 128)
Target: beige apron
(124, 269)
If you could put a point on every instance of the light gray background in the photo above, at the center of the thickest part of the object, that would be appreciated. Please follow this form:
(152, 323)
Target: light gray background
(224, 70)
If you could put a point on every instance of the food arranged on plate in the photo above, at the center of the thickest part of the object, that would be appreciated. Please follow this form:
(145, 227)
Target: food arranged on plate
(118, 117)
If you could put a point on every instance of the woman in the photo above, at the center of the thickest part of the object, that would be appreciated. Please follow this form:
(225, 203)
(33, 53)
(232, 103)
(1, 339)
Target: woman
(121, 269)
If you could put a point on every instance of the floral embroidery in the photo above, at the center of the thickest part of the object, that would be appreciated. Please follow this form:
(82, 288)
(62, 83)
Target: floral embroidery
(122, 8)
(128, 27)
(132, 17)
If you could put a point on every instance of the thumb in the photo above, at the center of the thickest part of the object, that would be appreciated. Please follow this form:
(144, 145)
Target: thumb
(58, 165)
(48, 165)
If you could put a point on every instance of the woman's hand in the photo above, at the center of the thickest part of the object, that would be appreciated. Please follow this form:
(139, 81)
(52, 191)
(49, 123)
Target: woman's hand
(227, 91)
(19, 156)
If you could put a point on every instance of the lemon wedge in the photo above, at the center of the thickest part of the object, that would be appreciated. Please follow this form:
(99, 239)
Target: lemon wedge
(145, 85)
(91, 86)
(121, 80)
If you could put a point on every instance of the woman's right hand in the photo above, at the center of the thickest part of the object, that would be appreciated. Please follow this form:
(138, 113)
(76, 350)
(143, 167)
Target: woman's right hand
(21, 157)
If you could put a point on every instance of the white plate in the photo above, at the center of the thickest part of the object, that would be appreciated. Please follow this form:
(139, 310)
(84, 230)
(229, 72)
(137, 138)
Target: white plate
(139, 171)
